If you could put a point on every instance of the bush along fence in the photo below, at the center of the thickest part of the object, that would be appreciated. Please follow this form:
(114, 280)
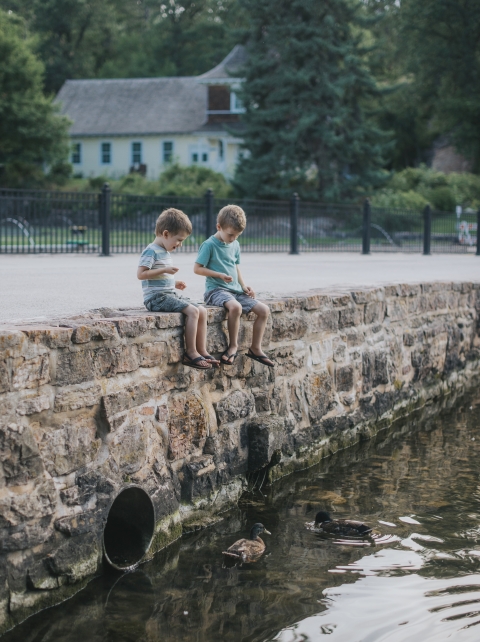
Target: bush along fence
(108, 223)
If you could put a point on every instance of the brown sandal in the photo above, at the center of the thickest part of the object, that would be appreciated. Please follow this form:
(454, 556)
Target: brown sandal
(215, 362)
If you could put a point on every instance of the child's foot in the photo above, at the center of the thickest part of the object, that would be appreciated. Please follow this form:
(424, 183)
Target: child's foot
(227, 359)
(261, 358)
(198, 363)
(215, 362)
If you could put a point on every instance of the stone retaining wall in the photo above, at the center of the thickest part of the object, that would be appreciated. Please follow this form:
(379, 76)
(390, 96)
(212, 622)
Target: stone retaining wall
(95, 403)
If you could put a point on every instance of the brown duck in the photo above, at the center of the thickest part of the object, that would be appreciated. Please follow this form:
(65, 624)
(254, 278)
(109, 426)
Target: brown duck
(343, 527)
(245, 550)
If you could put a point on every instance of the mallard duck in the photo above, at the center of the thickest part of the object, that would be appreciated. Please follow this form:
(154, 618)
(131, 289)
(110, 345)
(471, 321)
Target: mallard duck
(344, 527)
(248, 549)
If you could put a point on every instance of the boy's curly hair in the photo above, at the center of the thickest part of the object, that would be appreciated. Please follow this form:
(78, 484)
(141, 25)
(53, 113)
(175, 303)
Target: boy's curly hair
(174, 221)
(232, 216)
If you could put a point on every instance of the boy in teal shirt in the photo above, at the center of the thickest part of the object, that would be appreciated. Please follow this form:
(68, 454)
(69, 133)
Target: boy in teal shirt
(219, 260)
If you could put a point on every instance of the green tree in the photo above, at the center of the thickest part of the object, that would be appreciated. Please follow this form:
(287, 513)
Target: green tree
(400, 109)
(32, 134)
(306, 91)
(442, 42)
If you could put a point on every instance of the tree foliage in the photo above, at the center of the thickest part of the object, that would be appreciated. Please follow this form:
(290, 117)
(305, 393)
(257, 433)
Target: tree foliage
(442, 40)
(32, 134)
(306, 93)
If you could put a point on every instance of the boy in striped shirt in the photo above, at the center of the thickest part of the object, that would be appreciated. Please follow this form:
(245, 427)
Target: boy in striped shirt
(156, 271)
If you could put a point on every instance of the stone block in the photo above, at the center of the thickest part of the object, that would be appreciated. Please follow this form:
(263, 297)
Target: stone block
(73, 525)
(265, 439)
(33, 404)
(408, 339)
(321, 352)
(83, 395)
(323, 321)
(4, 377)
(374, 369)
(238, 405)
(19, 455)
(175, 349)
(288, 326)
(344, 379)
(374, 312)
(131, 326)
(78, 558)
(83, 333)
(69, 447)
(152, 354)
(188, 425)
(30, 373)
(199, 478)
(130, 395)
(216, 338)
(109, 362)
(350, 316)
(50, 336)
(74, 367)
(128, 446)
(320, 394)
(17, 509)
(397, 310)
(165, 320)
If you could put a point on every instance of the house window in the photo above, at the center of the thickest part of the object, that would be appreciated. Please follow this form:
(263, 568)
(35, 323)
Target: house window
(106, 153)
(236, 105)
(76, 153)
(204, 158)
(167, 151)
(195, 157)
(221, 150)
(136, 153)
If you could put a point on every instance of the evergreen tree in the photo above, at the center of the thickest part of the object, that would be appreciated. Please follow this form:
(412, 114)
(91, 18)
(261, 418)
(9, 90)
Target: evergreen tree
(305, 91)
(32, 134)
(442, 40)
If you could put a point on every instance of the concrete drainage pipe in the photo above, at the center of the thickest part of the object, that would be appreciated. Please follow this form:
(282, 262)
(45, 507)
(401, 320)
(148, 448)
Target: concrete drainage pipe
(129, 529)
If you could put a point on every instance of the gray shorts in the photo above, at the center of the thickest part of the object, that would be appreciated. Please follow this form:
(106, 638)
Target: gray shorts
(168, 302)
(219, 296)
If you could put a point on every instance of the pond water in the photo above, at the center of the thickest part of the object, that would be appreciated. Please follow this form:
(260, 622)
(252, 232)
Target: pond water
(417, 484)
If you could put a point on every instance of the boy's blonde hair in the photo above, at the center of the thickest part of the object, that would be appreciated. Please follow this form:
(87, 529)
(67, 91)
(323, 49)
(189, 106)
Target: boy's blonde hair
(232, 216)
(174, 221)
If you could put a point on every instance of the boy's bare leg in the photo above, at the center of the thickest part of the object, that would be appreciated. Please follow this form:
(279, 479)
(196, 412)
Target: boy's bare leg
(192, 316)
(262, 311)
(201, 342)
(233, 324)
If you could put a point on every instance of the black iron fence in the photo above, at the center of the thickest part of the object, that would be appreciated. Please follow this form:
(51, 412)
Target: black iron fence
(105, 223)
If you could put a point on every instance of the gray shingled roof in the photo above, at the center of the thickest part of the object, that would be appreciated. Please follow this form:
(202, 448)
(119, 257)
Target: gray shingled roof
(134, 106)
(230, 66)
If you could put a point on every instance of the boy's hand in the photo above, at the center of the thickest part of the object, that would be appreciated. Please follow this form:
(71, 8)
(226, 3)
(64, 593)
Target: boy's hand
(171, 270)
(180, 285)
(226, 278)
(248, 290)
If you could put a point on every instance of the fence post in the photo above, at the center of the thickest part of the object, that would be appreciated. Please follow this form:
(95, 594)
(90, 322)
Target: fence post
(209, 211)
(478, 232)
(427, 229)
(366, 227)
(294, 207)
(105, 197)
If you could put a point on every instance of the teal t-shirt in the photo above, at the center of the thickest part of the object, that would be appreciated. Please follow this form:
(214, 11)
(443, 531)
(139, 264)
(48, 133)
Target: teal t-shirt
(220, 257)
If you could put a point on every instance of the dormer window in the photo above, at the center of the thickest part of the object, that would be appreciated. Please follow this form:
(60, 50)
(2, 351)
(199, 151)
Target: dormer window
(236, 105)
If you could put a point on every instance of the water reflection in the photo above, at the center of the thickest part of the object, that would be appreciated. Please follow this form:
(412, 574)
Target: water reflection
(418, 578)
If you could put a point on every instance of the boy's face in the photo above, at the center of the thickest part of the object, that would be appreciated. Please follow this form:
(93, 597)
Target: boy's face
(228, 234)
(171, 241)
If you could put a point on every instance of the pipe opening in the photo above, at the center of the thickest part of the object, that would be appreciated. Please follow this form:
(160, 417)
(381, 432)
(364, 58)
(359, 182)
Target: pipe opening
(129, 529)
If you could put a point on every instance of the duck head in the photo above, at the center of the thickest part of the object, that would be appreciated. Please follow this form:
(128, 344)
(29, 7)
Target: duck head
(321, 517)
(257, 529)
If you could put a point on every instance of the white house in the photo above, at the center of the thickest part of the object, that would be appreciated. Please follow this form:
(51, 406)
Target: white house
(143, 124)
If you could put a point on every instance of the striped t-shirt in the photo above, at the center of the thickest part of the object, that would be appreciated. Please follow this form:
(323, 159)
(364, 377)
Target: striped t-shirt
(153, 257)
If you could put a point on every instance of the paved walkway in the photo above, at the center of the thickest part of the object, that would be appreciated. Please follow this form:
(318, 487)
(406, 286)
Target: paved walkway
(42, 286)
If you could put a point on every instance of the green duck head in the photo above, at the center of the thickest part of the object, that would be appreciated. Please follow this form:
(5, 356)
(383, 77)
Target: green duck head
(257, 529)
(321, 517)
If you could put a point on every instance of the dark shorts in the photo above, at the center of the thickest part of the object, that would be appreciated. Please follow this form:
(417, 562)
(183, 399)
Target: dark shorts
(219, 296)
(168, 302)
